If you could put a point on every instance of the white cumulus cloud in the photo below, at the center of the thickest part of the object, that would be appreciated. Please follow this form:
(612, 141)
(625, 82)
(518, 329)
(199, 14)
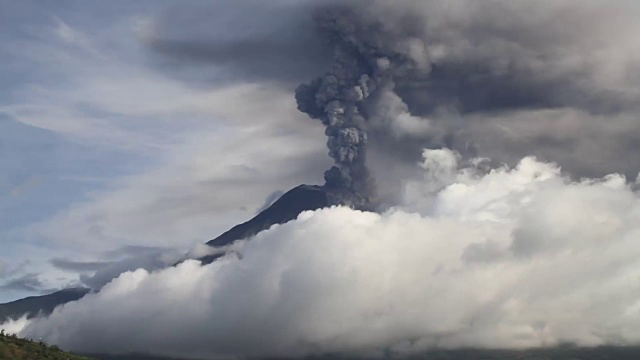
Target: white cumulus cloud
(510, 257)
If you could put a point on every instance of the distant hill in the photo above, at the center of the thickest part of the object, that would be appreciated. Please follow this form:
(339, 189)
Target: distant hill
(14, 348)
(39, 304)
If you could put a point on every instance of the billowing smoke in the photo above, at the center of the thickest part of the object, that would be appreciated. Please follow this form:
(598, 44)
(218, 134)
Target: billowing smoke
(506, 258)
(501, 79)
(365, 61)
(14, 326)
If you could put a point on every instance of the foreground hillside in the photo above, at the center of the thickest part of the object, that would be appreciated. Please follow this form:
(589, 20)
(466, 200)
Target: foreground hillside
(14, 348)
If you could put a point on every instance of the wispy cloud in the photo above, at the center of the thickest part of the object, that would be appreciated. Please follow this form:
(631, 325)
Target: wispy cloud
(78, 266)
(29, 282)
(167, 163)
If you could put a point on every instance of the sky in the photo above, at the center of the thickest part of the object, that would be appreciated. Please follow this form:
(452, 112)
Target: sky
(103, 150)
(501, 141)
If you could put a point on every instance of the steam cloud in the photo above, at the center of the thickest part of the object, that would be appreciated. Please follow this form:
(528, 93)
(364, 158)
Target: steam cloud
(518, 257)
(500, 79)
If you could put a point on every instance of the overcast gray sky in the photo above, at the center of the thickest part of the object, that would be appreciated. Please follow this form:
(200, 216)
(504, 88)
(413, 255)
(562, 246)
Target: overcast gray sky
(101, 148)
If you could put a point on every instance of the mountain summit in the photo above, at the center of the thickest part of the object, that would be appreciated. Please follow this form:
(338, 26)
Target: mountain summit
(283, 210)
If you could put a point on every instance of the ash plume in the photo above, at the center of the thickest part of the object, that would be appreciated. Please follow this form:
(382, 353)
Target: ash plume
(505, 79)
(364, 61)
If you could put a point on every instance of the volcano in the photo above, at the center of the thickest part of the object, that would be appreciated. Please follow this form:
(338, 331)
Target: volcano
(283, 210)
(286, 208)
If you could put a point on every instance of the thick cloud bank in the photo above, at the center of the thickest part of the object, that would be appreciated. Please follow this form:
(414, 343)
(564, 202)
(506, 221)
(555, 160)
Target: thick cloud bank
(509, 257)
(557, 79)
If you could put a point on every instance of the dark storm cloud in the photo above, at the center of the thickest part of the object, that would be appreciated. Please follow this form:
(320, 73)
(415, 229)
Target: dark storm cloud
(78, 266)
(131, 258)
(28, 282)
(134, 250)
(491, 66)
(251, 40)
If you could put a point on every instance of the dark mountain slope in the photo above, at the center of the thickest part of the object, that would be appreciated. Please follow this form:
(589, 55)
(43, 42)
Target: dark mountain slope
(36, 304)
(285, 209)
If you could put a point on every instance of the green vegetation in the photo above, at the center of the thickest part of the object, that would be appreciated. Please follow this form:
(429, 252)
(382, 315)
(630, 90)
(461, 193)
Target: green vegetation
(14, 348)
